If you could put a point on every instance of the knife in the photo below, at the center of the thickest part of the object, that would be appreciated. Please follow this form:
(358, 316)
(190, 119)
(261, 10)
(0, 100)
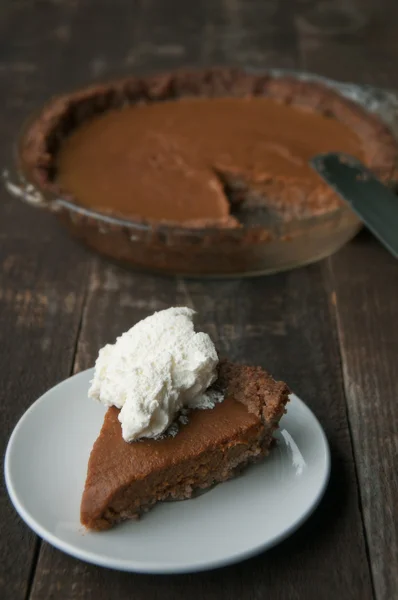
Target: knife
(374, 203)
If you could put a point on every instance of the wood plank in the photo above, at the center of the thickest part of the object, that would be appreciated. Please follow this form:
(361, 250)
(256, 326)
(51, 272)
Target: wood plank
(208, 32)
(366, 286)
(365, 281)
(42, 274)
(285, 323)
(41, 296)
(40, 308)
(369, 57)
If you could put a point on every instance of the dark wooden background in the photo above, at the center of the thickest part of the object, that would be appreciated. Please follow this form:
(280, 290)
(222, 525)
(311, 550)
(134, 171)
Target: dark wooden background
(330, 330)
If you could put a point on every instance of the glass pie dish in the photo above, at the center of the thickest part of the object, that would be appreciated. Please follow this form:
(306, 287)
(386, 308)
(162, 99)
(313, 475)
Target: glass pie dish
(209, 251)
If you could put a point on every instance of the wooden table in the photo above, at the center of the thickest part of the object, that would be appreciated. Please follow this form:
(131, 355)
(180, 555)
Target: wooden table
(330, 329)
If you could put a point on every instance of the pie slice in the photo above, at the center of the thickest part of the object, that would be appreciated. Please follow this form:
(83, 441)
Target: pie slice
(126, 479)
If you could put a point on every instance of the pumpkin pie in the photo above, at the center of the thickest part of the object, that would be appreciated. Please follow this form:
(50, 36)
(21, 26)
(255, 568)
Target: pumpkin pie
(125, 480)
(217, 147)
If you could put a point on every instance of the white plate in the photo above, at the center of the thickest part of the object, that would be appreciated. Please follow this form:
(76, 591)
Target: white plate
(45, 469)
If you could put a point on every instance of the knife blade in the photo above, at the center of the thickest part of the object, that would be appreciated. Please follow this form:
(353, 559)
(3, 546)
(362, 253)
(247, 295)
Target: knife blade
(374, 203)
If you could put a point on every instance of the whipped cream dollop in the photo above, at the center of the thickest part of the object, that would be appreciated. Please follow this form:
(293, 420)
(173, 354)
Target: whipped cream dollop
(154, 370)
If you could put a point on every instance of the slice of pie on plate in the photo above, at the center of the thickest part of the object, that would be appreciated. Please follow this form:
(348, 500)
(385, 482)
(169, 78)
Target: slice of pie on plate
(126, 479)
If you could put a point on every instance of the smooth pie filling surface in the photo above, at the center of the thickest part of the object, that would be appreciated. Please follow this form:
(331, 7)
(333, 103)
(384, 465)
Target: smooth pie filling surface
(176, 160)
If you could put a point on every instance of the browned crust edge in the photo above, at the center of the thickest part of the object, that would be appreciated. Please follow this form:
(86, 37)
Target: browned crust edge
(254, 387)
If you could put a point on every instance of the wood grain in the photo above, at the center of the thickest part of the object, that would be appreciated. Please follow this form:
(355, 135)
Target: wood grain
(40, 307)
(368, 57)
(42, 275)
(286, 324)
(365, 282)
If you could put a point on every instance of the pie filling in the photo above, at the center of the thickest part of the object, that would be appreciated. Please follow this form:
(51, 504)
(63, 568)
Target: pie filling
(217, 147)
(169, 160)
(126, 479)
